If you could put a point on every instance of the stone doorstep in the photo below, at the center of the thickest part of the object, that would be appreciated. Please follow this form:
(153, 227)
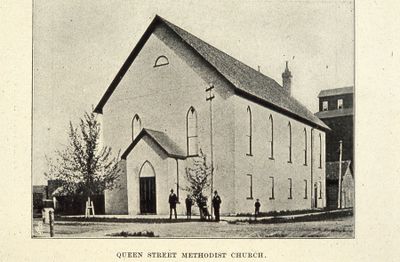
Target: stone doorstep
(226, 218)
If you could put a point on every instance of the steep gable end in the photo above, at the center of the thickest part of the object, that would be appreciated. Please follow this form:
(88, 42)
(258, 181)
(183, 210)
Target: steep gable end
(246, 80)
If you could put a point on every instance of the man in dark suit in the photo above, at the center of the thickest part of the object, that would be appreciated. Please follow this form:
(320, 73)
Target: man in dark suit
(216, 202)
(189, 203)
(173, 199)
(257, 206)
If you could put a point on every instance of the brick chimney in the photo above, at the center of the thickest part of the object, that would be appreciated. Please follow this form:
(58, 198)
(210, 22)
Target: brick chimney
(287, 79)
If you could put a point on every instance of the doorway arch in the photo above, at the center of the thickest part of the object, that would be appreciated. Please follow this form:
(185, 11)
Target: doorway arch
(147, 188)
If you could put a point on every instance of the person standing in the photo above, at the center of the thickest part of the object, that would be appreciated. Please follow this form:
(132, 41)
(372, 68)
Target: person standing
(257, 206)
(173, 199)
(189, 203)
(216, 202)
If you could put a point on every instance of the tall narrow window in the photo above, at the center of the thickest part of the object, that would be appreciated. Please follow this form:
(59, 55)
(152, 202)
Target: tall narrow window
(271, 137)
(320, 189)
(272, 188)
(324, 105)
(249, 131)
(290, 188)
(250, 177)
(290, 142)
(305, 189)
(340, 103)
(191, 132)
(136, 126)
(305, 146)
(320, 151)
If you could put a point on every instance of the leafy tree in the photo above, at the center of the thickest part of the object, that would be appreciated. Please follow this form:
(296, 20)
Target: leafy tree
(82, 168)
(197, 176)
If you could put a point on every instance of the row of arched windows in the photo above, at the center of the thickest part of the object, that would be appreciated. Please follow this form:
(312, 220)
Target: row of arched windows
(192, 135)
(270, 138)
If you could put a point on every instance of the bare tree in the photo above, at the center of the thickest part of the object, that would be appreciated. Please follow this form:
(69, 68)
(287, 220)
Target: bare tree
(82, 167)
(197, 176)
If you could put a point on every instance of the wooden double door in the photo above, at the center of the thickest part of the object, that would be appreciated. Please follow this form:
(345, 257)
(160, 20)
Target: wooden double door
(147, 195)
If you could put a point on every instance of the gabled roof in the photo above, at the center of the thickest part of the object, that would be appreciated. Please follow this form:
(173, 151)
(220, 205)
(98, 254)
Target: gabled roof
(336, 91)
(332, 169)
(335, 113)
(162, 140)
(247, 81)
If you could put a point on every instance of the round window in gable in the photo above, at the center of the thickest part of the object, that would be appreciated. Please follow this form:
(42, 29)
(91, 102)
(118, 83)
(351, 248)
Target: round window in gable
(161, 61)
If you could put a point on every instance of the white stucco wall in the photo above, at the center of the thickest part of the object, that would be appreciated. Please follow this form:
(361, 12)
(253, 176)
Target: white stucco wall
(144, 151)
(262, 168)
(116, 200)
(161, 96)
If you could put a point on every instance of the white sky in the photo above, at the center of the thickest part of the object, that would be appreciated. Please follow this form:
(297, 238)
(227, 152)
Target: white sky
(79, 46)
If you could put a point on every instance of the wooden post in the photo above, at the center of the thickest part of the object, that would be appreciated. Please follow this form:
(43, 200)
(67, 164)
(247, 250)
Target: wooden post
(89, 210)
(340, 176)
(51, 218)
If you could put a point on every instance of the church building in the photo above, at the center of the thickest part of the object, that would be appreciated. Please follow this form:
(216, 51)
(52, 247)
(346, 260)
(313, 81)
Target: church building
(175, 96)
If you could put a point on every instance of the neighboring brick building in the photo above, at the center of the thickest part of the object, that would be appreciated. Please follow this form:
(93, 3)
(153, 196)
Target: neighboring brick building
(336, 110)
(266, 144)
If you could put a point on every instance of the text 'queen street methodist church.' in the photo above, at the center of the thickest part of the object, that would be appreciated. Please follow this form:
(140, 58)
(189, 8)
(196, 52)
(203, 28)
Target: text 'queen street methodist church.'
(265, 144)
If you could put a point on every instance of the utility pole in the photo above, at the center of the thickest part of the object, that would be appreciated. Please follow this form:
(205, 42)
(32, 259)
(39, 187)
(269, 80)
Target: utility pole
(340, 176)
(311, 170)
(210, 98)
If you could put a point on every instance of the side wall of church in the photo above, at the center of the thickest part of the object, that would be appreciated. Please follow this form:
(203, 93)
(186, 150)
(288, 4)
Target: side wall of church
(260, 173)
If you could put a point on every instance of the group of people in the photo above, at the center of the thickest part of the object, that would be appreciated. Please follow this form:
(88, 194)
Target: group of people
(216, 203)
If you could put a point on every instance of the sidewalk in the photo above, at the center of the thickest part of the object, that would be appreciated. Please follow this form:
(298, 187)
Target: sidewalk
(182, 218)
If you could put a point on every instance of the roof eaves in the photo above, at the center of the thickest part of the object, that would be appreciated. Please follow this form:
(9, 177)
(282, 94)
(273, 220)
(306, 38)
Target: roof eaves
(279, 109)
(336, 91)
(139, 137)
(241, 91)
(335, 113)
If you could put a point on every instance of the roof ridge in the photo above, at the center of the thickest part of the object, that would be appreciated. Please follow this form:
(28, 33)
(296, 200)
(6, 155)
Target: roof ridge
(262, 79)
(152, 130)
(336, 91)
(161, 139)
(247, 81)
(343, 87)
(233, 58)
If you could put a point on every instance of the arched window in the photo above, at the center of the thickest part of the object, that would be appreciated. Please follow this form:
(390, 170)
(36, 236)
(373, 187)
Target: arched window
(290, 142)
(136, 126)
(320, 151)
(271, 137)
(249, 131)
(305, 146)
(161, 61)
(191, 132)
